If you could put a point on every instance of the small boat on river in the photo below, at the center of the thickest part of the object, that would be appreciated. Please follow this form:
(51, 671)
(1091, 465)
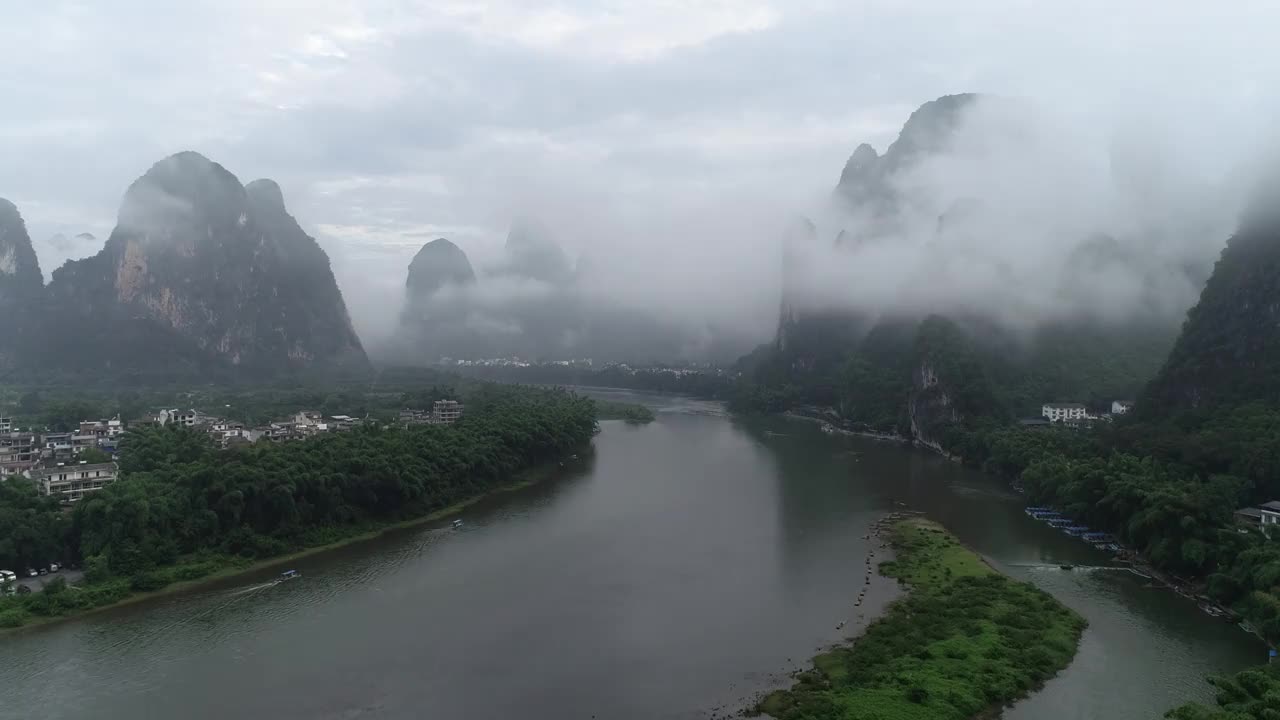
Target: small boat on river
(457, 524)
(289, 575)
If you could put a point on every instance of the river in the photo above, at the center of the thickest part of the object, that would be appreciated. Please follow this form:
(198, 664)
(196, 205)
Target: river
(673, 573)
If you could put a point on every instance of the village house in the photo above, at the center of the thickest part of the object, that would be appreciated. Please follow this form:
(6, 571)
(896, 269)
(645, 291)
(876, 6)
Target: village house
(102, 429)
(343, 423)
(1063, 412)
(1120, 407)
(1265, 517)
(70, 483)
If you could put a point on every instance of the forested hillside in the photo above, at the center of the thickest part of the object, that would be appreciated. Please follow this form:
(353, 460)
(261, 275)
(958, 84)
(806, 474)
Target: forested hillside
(1204, 441)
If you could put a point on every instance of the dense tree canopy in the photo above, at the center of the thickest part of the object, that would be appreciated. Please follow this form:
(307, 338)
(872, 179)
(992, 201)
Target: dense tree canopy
(181, 500)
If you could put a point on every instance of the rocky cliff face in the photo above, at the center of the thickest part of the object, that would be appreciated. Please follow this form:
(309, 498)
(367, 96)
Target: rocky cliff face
(21, 285)
(19, 270)
(202, 272)
(1229, 350)
(866, 184)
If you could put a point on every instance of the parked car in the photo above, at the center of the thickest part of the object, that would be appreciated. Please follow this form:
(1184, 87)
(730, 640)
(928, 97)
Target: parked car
(44, 571)
(53, 567)
(32, 573)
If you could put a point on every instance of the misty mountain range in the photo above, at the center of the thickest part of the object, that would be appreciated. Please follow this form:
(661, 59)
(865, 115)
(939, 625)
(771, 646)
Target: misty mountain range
(203, 274)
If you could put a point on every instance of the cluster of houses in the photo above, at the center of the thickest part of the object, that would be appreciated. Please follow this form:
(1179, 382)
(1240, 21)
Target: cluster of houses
(1075, 414)
(52, 460)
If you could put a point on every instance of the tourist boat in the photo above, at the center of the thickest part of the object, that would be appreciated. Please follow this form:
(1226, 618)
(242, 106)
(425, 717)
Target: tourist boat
(1076, 530)
(1067, 566)
(290, 575)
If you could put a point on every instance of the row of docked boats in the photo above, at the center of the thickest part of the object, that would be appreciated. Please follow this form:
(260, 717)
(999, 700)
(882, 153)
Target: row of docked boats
(1107, 541)
(1100, 540)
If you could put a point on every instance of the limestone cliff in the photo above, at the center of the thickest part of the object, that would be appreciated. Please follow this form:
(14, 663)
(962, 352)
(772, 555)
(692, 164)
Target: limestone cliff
(21, 285)
(201, 272)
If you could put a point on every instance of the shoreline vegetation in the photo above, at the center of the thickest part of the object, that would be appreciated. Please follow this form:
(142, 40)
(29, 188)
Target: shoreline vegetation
(632, 413)
(232, 566)
(184, 510)
(964, 642)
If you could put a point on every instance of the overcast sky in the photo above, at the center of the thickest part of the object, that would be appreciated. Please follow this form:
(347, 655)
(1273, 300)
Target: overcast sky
(634, 130)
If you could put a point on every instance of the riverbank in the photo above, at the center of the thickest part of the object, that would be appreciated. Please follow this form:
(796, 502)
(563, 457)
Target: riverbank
(831, 428)
(964, 642)
(207, 570)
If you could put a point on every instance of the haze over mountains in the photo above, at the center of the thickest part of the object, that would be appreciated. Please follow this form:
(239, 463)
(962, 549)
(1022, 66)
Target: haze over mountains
(993, 211)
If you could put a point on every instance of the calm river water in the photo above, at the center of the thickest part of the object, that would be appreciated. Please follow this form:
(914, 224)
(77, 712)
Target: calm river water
(683, 567)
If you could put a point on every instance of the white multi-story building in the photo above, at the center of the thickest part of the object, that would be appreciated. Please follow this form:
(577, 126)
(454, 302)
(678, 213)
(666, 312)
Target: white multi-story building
(19, 452)
(445, 412)
(1062, 412)
(70, 483)
(1120, 407)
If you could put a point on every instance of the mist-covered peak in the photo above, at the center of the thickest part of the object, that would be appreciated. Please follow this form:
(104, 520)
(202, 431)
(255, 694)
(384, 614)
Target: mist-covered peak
(931, 126)
(861, 163)
(266, 193)
(182, 190)
(532, 253)
(866, 182)
(437, 264)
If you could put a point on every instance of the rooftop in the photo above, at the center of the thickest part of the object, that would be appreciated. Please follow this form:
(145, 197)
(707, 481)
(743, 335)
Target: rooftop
(1065, 405)
(1273, 506)
(82, 467)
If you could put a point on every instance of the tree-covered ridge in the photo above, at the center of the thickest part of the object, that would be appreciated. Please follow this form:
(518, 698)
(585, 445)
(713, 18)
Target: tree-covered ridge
(179, 495)
(183, 509)
(991, 373)
(1229, 351)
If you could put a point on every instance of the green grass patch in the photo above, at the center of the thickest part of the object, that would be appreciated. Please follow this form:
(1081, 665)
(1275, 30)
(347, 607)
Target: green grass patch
(965, 639)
